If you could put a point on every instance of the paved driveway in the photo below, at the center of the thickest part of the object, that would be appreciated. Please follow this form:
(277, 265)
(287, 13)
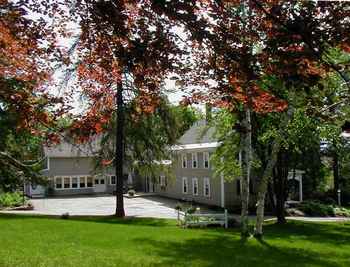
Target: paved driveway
(156, 207)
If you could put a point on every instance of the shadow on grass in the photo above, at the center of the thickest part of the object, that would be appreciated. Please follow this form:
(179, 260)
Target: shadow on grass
(331, 233)
(97, 219)
(229, 250)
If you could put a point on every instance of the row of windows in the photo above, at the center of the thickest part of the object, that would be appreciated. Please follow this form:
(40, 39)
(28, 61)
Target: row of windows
(194, 160)
(75, 182)
(195, 188)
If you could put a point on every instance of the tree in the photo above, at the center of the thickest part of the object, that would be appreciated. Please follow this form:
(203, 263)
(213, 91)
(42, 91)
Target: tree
(26, 108)
(123, 53)
(148, 137)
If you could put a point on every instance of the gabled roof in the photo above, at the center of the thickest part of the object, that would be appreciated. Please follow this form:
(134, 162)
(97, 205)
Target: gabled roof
(71, 149)
(198, 136)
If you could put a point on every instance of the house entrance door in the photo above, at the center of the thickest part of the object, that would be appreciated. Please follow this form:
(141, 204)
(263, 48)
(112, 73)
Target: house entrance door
(100, 184)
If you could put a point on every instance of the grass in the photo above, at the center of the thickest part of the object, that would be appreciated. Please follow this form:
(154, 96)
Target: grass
(44, 241)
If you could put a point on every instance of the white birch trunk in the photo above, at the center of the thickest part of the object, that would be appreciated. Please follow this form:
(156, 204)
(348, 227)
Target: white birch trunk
(246, 169)
(262, 189)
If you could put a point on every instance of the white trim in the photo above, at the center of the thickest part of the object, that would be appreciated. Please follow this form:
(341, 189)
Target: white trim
(184, 181)
(184, 160)
(194, 157)
(204, 156)
(48, 164)
(206, 181)
(110, 179)
(70, 181)
(195, 181)
(196, 146)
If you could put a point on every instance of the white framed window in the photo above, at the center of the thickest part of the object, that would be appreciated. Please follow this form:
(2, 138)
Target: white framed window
(112, 180)
(75, 182)
(206, 160)
(206, 187)
(89, 181)
(195, 186)
(184, 185)
(82, 182)
(194, 160)
(162, 180)
(58, 182)
(184, 160)
(66, 182)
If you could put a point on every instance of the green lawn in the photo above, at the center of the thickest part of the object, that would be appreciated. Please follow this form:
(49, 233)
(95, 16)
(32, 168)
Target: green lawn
(43, 241)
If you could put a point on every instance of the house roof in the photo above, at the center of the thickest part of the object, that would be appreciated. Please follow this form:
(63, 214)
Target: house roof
(71, 149)
(198, 136)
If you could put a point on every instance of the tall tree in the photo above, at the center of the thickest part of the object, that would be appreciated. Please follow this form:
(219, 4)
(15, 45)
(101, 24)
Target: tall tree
(123, 52)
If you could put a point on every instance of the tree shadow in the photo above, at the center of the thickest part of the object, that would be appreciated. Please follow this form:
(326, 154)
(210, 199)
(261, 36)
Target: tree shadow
(331, 233)
(110, 219)
(217, 250)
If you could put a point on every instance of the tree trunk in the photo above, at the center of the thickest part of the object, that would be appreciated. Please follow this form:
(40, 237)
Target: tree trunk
(280, 185)
(246, 168)
(268, 173)
(335, 172)
(119, 155)
(262, 189)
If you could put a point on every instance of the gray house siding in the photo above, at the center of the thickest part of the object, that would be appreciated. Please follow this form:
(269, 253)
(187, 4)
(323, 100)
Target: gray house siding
(174, 187)
(79, 167)
(70, 166)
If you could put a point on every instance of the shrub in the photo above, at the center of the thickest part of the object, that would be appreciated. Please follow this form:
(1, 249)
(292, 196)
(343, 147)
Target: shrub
(178, 206)
(191, 210)
(342, 212)
(8, 200)
(65, 216)
(314, 208)
(131, 192)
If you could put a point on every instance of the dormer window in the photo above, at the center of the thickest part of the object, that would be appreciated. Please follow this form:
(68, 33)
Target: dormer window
(184, 160)
(194, 160)
(206, 160)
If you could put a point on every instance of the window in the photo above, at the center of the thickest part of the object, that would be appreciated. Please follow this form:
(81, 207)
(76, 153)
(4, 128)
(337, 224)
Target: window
(102, 181)
(82, 182)
(206, 187)
(89, 181)
(58, 183)
(194, 160)
(112, 179)
(162, 180)
(184, 185)
(66, 183)
(206, 160)
(195, 186)
(184, 160)
(97, 181)
(74, 182)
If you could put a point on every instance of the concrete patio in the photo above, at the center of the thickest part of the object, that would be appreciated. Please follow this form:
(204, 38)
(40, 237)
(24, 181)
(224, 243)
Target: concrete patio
(147, 206)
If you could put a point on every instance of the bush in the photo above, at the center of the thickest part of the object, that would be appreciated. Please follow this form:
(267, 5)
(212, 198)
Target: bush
(65, 216)
(8, 200)
(314, 208)
(131, 192)
(178, 206)
(342, 212)
(191, 210)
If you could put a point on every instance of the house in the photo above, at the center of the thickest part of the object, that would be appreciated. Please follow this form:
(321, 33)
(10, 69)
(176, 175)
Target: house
(192, 176)
(71, 171)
